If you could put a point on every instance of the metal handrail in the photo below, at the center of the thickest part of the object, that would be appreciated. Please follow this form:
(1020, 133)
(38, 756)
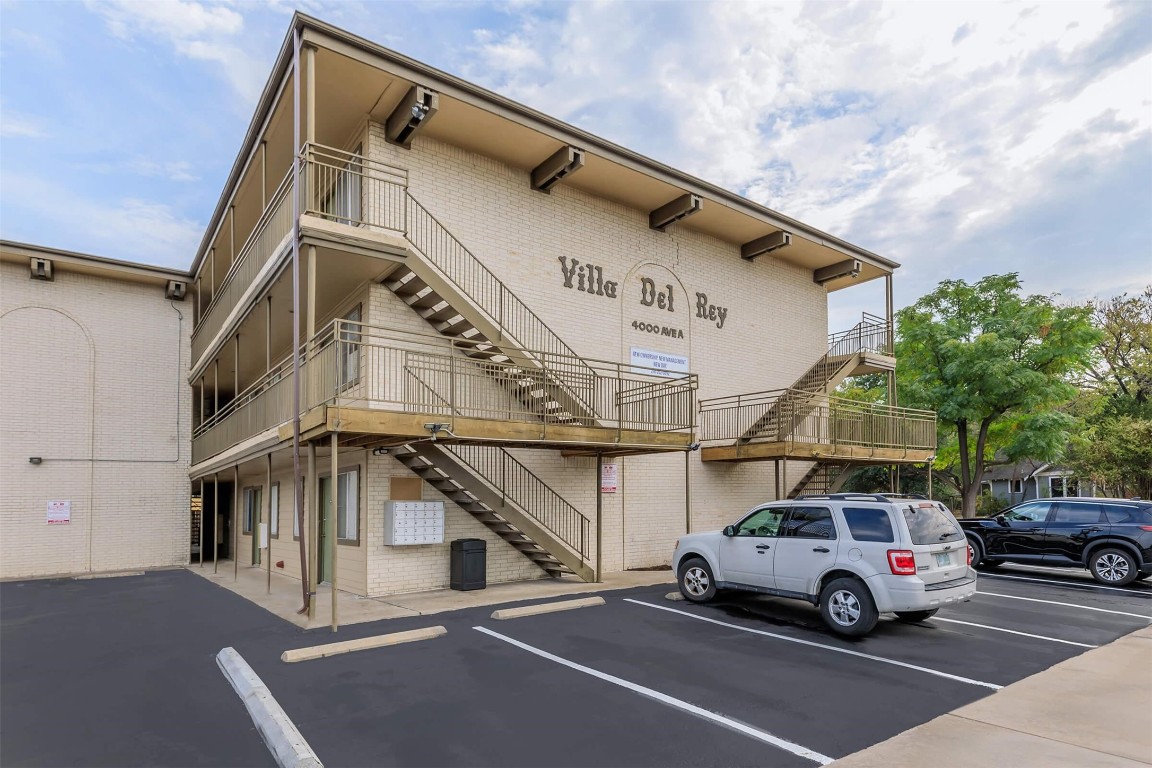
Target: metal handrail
(254, 254)
(801, 416)
(519, 485)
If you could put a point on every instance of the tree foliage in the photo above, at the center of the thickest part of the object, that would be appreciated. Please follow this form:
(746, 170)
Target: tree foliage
(994, 365)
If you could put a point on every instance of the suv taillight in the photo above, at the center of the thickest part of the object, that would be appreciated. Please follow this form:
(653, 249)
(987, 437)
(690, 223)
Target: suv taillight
(968, 549)
(902, 562)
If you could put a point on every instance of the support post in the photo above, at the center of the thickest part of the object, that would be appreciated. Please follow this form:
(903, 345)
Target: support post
(232, 231)
(263, 175)
(236, 369)
(784, 477)
(313, 524)
(216, 522)
(687, 492)
(297, 480)
(930, 480)
(235, 522)
(268, 554)
(311, 305)
(310, 94)
(202, 505)
(776, 476)
(333, 513)
(599, 519)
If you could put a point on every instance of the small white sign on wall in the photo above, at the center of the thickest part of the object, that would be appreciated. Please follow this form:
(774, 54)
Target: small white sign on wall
(59, 512)
(664, 363)
(609, 475)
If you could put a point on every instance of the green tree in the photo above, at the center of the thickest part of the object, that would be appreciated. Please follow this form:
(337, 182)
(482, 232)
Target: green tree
(1115, 451)
(994, 365)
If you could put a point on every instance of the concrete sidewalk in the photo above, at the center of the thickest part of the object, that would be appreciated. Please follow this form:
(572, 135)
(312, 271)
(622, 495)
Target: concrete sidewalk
(1091, 710)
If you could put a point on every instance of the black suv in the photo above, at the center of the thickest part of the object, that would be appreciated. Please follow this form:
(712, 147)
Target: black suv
(1112, 538)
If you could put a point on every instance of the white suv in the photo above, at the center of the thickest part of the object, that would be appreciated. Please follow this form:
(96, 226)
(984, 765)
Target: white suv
(853, 555)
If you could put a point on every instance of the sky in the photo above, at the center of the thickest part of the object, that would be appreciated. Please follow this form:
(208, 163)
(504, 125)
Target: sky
(959, 139)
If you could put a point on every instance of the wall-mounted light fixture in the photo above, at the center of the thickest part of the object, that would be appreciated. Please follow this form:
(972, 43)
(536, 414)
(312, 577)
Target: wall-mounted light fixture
(412, 113)
(672, 212)
(762, 245)
(564, 162)
(380, 451)
(175, 290)
(35, 460)
(846, 268)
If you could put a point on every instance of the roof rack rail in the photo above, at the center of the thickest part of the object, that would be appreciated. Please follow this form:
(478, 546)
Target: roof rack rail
(918, 496)
(856, 496)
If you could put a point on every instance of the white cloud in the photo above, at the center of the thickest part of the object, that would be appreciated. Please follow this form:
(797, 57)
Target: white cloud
(127, 228)
(20, 126)
(172, 170)
(208, 32)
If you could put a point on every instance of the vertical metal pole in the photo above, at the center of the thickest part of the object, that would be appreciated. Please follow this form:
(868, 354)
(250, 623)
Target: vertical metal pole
(332, 516)
(236, 369)
(203, 397)
(313, 522)
(268, 335)
(310, 95)
(930, 480)
(199, 300)
(297, 480)
(599, 519)
(263, 175)
(268, 554)
(687, 492)
(232, 232)
(776, 473)
(215, 522)
(311, 298)
(235, 522)
(212, 273)
(216, 386)
(784, 478)
(202, 505)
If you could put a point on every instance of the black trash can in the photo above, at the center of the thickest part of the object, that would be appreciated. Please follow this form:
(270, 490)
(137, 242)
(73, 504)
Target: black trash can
(469, 564)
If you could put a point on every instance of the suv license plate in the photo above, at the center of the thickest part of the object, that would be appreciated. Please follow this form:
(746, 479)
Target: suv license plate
(943, 559)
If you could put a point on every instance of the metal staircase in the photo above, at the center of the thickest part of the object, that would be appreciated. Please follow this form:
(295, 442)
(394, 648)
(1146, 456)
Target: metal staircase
(822, 477)
(512, 502)
(844, 356)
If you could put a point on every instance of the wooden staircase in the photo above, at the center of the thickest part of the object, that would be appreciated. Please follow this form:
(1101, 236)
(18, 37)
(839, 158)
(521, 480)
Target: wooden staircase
(448, 471)
(822, 477)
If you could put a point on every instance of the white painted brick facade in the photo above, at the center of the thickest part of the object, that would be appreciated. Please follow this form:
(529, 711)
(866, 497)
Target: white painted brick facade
(92, 381)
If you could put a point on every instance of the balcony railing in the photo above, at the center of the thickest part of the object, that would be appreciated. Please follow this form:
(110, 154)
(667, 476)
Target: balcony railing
(360, 365)
(869, 335)
(273, 226)
(803, 417)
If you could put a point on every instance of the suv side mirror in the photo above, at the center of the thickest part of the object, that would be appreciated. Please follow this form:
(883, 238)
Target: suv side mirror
(730, 530)
(1001, 519)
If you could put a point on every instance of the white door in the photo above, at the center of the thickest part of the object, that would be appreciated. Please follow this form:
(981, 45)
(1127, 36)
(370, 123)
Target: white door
(746, 557)
(805, 548)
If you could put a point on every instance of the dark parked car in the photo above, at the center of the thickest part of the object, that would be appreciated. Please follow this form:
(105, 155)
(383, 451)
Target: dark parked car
(1112, 538)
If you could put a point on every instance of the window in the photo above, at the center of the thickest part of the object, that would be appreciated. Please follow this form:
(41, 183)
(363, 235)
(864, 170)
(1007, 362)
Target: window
(809, 523)
(1036, 512)
(1016, 486)
(1063, 486)
(1120, 513)
(762, 522)
(928, 524)
(274, 511)
(348, 506)
(869, 524)
(251, 509)
(1074, 512)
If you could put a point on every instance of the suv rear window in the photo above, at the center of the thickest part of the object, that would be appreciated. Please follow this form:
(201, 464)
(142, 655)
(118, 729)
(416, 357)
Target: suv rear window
(869, 524)
(1122, 513)
(928, 525)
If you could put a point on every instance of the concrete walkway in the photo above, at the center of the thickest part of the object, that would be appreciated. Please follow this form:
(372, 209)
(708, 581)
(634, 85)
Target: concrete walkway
(1092, 710)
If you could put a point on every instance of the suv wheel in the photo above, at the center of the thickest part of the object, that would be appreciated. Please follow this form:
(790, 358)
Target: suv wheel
(914, 616)
(847, 607)
(978, 559)
(696, 581)
(1113, 566)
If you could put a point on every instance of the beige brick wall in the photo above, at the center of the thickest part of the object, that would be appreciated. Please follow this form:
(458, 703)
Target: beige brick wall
(92, 380)
(774, 325)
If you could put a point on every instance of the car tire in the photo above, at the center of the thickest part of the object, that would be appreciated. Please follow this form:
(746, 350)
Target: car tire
(978, 558)
(696, 581)
(847, 607)
(912, 617)
(1113, 566)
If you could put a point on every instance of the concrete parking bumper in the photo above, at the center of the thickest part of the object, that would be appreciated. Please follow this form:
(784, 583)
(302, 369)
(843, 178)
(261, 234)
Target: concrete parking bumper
(1089, 710)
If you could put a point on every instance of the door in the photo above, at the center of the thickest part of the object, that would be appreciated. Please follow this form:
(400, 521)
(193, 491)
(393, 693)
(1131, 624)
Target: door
(1018, 532)
(1073, 524)
(252, 521)
(746, 556)
(323, 541)
(805, 549)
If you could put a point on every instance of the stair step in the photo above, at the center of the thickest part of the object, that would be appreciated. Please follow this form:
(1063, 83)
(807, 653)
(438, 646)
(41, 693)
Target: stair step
(456, 326)
(398, 278)
(437, 314)
(425, 300)
(410, 287)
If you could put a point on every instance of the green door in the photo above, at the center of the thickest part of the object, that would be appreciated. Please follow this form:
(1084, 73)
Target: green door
(252, 520)
(324, 550)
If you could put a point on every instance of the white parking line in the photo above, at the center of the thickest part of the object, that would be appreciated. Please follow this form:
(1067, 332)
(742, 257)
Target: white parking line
(1069, 605)
(747, 730)
(881, 659)
(1014, 632)
(1092, 585)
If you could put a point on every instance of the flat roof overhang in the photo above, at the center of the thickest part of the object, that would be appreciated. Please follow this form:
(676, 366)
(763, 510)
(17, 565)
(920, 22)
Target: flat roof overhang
(356, 78)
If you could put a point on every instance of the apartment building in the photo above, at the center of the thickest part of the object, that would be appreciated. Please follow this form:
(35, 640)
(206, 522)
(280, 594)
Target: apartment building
(474, 321)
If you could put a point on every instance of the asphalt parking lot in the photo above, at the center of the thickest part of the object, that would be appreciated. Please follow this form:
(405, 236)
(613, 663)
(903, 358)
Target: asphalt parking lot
(121, 672)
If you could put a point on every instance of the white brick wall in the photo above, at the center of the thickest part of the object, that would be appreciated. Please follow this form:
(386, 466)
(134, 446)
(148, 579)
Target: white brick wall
(92, 380)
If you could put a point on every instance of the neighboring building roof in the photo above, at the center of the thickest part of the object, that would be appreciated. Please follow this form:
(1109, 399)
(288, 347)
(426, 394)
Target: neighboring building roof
(86, 263)
(1023, 470)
